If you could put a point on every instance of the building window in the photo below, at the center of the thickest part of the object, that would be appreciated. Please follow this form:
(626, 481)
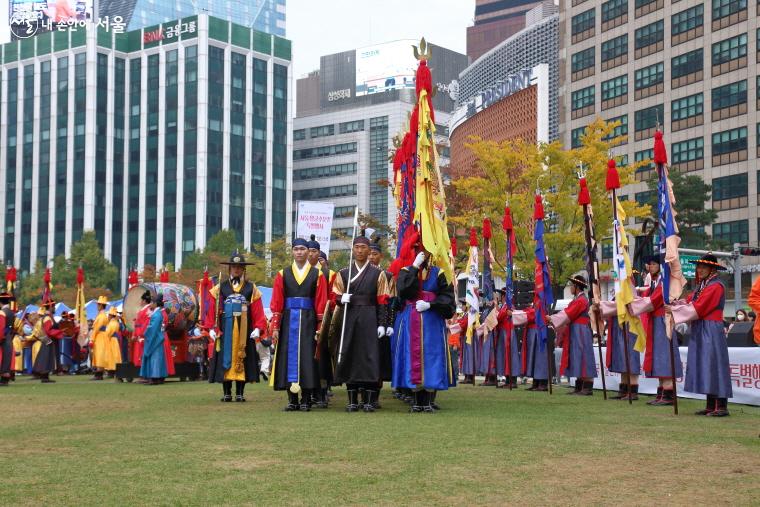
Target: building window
(730, 192)
(613, 48)
(648, 118)
(687, 20)
(324, 192)
(351, 126)
(649, 76)
(322, 131)
(643, 3)
(299, 134)
(620, 130)
(729, 141)
(650, 34)
(687, 63)
(583, 60)
(723, 8)
(575, 137)
(729, 49)
(729, 95)
(614, 9)
(583, 21)
(583, 98)
(731, 232)
(324, 151)
(615, 87)
(343, 211)
(646, 171)
(327, 171)
(688, 151)
(687, 107)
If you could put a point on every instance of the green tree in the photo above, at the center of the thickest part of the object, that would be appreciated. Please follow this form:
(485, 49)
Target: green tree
(511, 171)
(692, 212)
(219, 247)
(99, 272)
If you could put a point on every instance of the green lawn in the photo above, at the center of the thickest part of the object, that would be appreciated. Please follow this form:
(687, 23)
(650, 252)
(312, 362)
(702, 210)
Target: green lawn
(86, 443)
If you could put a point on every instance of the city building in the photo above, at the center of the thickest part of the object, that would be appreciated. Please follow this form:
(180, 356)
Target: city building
(263, 15)
(155, 139)
(348, 114)
(510, 92)
(690, 67)
(496, 21)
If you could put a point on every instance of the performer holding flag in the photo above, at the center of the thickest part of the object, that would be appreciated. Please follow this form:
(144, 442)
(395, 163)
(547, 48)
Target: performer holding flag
(507, 351)
(543, 298)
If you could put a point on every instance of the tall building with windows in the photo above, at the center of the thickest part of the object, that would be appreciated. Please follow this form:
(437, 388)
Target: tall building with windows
(350, 112)
(262, 15)
(691, 66)
(496, 21)
(155, 139)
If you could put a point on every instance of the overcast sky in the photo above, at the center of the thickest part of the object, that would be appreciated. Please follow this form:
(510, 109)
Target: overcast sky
(323, 27)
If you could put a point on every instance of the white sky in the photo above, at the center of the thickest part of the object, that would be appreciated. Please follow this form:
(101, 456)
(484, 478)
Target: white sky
(323, 27)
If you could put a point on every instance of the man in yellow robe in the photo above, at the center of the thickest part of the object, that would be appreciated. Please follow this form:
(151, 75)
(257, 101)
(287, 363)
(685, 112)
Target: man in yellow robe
(99, 343)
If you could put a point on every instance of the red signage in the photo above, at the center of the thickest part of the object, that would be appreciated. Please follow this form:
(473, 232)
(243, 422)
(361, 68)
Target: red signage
(154, 36)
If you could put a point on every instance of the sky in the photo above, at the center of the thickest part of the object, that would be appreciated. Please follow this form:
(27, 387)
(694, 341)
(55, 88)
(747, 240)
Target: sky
(323, 27)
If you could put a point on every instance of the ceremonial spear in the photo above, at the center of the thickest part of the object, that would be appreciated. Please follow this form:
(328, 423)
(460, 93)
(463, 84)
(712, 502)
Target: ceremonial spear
(510, 239)
(592, 267)
(348, 283)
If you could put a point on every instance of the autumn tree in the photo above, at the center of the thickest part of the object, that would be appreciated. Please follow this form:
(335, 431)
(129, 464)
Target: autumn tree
(511, 171)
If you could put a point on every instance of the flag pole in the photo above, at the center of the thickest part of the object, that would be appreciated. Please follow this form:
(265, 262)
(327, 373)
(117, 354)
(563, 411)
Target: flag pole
(660, 156)
(348, 284)
(592, 267)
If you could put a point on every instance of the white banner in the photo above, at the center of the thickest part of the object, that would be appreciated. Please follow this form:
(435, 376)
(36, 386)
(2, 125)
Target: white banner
(315, 218)
(745, 376)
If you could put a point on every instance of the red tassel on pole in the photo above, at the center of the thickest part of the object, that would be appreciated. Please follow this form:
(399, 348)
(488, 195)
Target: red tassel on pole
(424, 79)
(506, 222)
(487, 228)
(454, 246)
(660, 153)
(613, 179)
(584, 197)
(538, 209)
(80, 276)
(473, 237)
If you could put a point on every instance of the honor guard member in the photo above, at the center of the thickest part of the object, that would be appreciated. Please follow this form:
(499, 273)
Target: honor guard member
(325, 367)
(45, 331)
(578, 355)
(299, 296)
(242, 322)
(708, 370)
(361, 290)
(386, 361)
(7, 321)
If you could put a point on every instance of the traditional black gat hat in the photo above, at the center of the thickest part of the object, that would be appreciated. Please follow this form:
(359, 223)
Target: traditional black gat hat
(579, 281)
(709, 260)
(236, 260)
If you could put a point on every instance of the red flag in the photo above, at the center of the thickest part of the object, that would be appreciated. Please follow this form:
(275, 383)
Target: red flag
(46, 286)
(164, 277)
(80, 275)
(132, 279)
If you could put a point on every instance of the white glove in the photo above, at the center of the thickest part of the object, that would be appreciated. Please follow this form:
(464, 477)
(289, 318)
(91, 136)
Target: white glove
(212, 334)
(419, 260)
(389, 331)
(255, 334)
(422, 306)
(345, 298)
(380, 331)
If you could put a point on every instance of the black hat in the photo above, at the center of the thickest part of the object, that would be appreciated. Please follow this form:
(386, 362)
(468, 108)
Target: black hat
(158, 299)
(375, 244)
(709, 260)
(361, 239)
(146, 296)
(322, 255)
(237, 260)
(579, 281)
(6, 296)
(652, 258)
(313, 243)
(300, 242)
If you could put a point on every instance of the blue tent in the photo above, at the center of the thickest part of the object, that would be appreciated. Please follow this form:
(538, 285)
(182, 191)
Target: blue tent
(29, 310)
(91, 309)
(117, 303)
(266, 298)
(60, 309)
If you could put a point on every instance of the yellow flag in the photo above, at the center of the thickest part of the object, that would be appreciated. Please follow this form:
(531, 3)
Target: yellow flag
(623, 284)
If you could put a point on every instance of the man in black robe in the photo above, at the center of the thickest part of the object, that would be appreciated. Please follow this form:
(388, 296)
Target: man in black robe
(386, 361)
(363, 294)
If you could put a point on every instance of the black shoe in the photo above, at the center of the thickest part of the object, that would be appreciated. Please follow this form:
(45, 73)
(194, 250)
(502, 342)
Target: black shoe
(304, 407)
(353, 405)
(239, 398)
(226, 398)
(47, 381)
(369, 400)
(622, 393)
(417, 403)
(290, 408)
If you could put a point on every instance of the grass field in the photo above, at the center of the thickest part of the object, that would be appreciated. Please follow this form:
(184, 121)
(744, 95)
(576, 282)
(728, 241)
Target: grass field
(86, 443)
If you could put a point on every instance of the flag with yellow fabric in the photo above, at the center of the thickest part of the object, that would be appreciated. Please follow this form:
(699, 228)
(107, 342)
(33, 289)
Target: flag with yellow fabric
(624, 292)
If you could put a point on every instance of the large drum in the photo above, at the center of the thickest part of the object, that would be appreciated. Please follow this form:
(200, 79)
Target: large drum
(180, 303)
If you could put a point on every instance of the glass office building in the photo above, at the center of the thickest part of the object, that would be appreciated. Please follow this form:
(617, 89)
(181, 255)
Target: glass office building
(262, 15)
(156, 139)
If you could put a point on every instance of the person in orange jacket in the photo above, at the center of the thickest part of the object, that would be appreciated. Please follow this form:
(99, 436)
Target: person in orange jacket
(754, 303)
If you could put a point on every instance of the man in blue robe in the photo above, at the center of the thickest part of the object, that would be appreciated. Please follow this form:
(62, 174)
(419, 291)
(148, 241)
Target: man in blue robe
(153, 362)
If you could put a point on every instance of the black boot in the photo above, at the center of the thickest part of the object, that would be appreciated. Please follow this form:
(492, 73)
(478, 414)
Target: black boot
(322, 398)
(370, 397)
(426, 402)
(417, 403)
(534, 385)
(633, 392)
(433, 404)
(376, 398)
(4, 381)
(292, 405)
(227, 390)
(305, 401)
(360, 397)
(239, 389)
(45, 379)
(721, 408)
(622, 393)
(657, 398)
(587, 388)
(709, 406)
(353, 404)
(407, 396)
(578, 385)
(667, 398)
(513, 382)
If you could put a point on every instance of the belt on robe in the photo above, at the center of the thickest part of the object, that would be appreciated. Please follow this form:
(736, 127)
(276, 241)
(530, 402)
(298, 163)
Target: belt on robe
(299, 304)
(363, 300)
(295, 305)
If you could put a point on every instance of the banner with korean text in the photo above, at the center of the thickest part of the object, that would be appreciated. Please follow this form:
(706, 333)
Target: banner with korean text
(315, 217)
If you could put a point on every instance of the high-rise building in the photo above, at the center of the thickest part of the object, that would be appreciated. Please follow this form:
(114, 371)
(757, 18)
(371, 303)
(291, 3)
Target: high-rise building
(496, 21)
(348, 114)
(262, 15)
(155, 139)
(690, 67)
